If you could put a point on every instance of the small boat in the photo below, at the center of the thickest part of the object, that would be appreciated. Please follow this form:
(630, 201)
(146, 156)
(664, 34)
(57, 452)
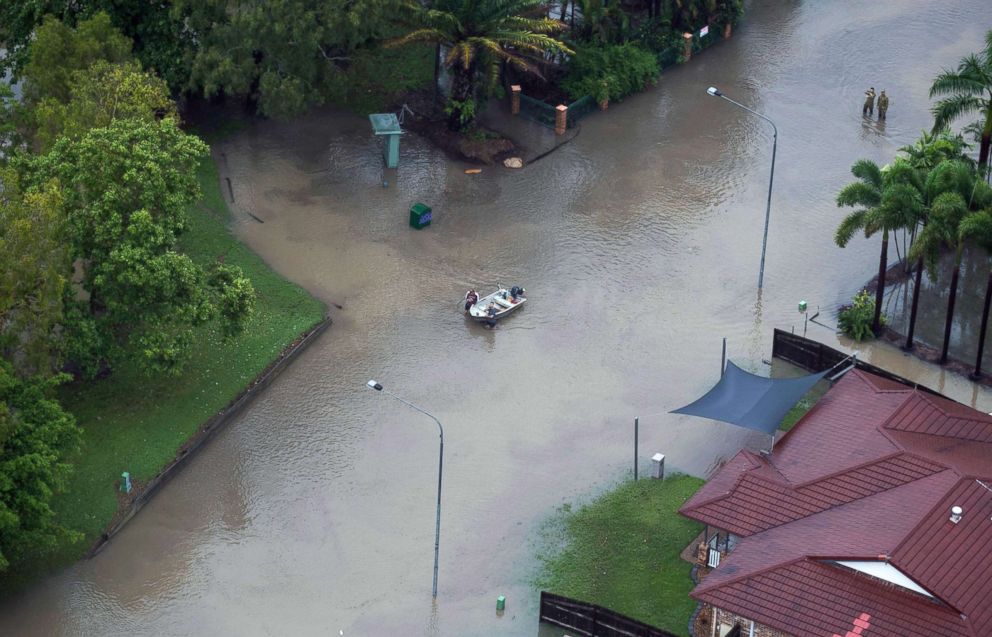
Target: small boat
(495, 306)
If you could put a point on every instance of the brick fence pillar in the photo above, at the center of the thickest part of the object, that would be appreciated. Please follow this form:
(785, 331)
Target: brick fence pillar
(687, 51)
(561, 119)
(515, 99)
(728, 30)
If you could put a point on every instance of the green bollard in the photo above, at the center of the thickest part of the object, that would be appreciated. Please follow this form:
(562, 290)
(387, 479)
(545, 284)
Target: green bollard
(500, 604)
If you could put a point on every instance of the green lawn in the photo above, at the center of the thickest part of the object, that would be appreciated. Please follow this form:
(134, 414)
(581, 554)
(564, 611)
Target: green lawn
(135, 423)
(805, 404)
(622, 552)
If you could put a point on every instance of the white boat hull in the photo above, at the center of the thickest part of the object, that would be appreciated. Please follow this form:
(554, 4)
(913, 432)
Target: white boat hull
(501, 301)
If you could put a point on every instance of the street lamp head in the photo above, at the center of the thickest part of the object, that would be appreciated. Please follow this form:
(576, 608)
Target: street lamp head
(374, 385)
(714, 91)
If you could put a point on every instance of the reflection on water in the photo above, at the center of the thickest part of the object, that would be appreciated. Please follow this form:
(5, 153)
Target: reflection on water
(638, 243)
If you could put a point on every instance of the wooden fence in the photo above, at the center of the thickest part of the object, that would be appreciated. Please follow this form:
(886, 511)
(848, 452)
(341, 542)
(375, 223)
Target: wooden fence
(815, 357)
(591, 620)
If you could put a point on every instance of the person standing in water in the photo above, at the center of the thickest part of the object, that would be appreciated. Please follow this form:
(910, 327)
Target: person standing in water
(883, 104)
(869, 107)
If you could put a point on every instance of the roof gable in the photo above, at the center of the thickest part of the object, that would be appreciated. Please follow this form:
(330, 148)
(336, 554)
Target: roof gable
(955, 560)
(814, 599)
(923, 413)
(869, 474)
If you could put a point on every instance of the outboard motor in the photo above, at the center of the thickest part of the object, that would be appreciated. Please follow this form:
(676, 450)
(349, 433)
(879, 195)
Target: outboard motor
(516, 291)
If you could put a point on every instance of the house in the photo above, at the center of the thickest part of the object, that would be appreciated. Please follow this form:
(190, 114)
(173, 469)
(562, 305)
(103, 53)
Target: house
(871, 517)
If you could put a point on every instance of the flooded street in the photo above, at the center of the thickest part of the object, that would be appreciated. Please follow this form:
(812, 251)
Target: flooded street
(638, 243)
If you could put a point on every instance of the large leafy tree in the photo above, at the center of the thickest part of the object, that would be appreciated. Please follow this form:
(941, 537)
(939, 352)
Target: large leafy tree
(127, 187)
(480, 37)
(968, 90)
(36, 436)
(58, 50)
(98, 95)
(883, 203)
(282, 54)
(162, 41)
(34, 264)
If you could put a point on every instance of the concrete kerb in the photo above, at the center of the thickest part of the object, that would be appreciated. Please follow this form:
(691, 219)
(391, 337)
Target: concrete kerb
(209, 428)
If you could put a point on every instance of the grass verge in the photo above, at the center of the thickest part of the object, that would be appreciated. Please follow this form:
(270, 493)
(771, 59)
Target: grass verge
(621, 552)
(132, 422)
(804, 405)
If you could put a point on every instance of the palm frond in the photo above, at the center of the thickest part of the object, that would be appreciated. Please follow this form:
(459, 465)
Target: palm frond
(859, 193)
(867, 171)
(420, 35)
(967, 79)
(949, 109)
(977, 227)
(848, 226)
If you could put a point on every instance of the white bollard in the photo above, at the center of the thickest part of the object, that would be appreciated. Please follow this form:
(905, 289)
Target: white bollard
(658, 466)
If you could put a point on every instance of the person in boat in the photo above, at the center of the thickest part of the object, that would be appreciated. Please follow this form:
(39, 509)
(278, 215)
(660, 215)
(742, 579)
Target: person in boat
(516, 291)
(491, 312)
(471, 298)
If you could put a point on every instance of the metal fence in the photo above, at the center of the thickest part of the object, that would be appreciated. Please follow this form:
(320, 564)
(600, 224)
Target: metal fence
(580, 108)
(537, 111)
(669, 58)
(814, 356)
(544, 113)
(706, 41)
(591, 620)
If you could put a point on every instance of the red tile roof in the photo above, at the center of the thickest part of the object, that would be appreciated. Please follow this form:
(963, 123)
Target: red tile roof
(869, 474)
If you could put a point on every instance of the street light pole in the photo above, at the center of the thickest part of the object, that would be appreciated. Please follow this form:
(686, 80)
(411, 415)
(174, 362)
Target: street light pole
(440, 468)
(715, 92)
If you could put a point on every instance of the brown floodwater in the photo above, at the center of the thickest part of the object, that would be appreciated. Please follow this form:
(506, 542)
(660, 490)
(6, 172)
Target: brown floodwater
(638, 242)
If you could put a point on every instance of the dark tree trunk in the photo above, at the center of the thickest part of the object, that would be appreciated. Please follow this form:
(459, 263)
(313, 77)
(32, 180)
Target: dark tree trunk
(462, 92)
(950, 311)
(983, 149)
(437, 74)
(981, 334)
(916, 303)
(876, 324)
(564, 9)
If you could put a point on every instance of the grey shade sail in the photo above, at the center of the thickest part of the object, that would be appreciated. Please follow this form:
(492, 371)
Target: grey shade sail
(747, 400)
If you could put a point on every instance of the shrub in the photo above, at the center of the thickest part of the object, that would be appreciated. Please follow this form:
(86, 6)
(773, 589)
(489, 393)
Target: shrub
(658, 37)
(855, 319)
(610, 71)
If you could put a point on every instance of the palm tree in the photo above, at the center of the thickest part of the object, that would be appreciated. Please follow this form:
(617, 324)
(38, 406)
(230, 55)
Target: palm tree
(883, 204)
(968, 90)
(481, 36)
(603, 21)
(955, 190)
(934, 147)
(977, 227)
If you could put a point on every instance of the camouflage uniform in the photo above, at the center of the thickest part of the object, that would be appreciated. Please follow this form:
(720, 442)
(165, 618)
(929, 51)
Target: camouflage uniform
(883, 105)
(869, 107)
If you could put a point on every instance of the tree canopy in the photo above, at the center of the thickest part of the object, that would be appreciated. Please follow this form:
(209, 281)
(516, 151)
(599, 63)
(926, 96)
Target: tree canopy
(98, 95)
(127, 187)
(59, 50)
(968, 90)
(34, 264)
(284, 54)
(481, 36)
(36, 436)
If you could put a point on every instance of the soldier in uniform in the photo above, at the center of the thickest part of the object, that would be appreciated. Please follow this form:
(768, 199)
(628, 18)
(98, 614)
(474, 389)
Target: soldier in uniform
(883, 104)
(869, 107)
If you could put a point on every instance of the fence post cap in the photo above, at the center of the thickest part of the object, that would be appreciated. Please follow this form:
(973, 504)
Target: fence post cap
(515, 88)
(561, 107)
(687, 36)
